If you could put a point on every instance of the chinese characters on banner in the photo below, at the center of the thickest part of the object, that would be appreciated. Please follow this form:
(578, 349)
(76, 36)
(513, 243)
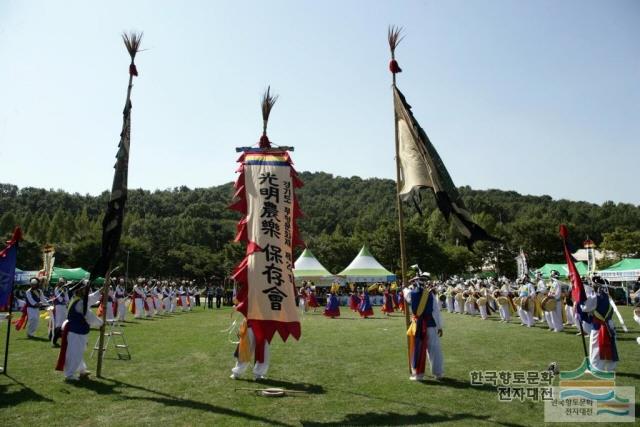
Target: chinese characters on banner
(265, 194)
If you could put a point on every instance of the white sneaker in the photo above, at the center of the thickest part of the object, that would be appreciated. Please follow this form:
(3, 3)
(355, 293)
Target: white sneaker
(259, 378)
(234, 376)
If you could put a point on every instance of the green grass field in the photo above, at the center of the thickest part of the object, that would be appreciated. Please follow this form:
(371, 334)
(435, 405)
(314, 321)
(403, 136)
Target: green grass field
(354, 372)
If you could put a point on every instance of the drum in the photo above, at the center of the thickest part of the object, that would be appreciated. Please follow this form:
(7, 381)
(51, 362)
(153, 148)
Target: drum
(502, 301)
(548, 303)
(526, 303)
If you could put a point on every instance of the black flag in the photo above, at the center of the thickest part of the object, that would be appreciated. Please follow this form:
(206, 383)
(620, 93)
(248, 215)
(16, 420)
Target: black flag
(422, 167)
(114, 217)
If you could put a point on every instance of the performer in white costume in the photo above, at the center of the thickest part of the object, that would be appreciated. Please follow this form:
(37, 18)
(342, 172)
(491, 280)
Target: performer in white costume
(555, 292)
(139, 296)
(244, 352)
(60, 301)
(425, 332)
(603, 352)
(527, 298)
(120, 293)
(34, 299)
(75, 333)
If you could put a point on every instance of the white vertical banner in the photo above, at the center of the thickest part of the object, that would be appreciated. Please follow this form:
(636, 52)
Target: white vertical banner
(270, 225)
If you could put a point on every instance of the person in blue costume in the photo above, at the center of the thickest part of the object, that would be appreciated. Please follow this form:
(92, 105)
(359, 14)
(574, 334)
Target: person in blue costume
(365, 308)
(603, 351)
(424, 331)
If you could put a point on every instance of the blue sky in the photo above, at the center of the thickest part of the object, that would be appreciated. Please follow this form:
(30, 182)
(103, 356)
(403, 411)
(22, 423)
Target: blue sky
(540, 97)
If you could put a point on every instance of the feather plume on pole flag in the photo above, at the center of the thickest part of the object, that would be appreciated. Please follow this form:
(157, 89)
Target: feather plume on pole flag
(422, 167)
(265, 196)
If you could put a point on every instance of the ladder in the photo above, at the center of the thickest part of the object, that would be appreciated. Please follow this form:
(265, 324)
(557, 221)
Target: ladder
(119, 341)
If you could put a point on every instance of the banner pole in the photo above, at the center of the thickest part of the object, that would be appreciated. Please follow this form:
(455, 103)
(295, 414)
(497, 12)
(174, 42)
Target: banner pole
(394, 34)
(6, 345)
(104, 300)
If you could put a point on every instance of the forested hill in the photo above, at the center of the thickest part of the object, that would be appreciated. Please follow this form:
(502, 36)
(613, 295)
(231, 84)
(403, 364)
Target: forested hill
(188, 232)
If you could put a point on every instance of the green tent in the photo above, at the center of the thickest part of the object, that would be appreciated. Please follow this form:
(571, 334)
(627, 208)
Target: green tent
(307, 267)
(627, 270)
(68, 274)
(562, 269)
(365, 268)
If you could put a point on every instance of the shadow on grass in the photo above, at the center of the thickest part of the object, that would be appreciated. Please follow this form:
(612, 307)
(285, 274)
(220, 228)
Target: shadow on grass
(454, 383)
(394, 419)
(115, 387)
(24, 394)
(445, 382)
(34, 339)
(305, 387)
(630, 375)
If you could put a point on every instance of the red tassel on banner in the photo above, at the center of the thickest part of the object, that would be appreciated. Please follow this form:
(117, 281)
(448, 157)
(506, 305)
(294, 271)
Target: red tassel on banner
(394, 67)
(241, 234)
(133, 70)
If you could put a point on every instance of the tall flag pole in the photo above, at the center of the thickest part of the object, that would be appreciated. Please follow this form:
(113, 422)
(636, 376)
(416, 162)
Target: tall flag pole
(421, 166)
(590, 246)
(114, 217)
(578, 294)
(265, 196)
(8, 259)
(394, 38)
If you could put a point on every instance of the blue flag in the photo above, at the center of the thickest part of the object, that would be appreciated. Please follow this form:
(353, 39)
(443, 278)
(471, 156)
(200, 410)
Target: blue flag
(8, 258)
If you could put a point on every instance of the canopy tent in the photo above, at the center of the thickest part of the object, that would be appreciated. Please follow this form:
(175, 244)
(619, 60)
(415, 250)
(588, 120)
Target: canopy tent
(307, 267)
(365, 268)
(562, 269)
(68, 274)
(627, 270)
(22, 277)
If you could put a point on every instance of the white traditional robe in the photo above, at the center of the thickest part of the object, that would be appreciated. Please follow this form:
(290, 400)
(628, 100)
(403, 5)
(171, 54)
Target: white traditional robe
(34, 297)
(259, 369)
(76, 345)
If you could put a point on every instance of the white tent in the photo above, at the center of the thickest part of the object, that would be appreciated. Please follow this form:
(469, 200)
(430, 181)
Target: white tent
(365, 268)
(307, 267)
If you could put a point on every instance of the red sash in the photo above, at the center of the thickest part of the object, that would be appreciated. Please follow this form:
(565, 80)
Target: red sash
(63, 348)
(22, 321)
(605, 343)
